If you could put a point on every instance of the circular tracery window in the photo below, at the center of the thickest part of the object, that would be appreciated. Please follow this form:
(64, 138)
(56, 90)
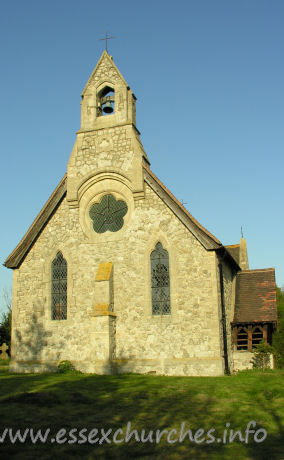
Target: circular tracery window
(108, 214)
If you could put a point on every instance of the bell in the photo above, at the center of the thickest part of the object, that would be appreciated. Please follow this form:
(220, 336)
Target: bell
(107, 107)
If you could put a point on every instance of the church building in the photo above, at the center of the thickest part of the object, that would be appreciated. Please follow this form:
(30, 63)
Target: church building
(115, 275)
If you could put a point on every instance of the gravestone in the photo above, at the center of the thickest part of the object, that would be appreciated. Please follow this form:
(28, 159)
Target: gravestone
(4, 349)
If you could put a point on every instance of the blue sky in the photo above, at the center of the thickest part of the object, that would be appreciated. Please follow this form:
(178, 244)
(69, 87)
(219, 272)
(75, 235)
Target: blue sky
(208, 75)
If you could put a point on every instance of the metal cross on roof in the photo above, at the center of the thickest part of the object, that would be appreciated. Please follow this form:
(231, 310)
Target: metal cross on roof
(106, 39)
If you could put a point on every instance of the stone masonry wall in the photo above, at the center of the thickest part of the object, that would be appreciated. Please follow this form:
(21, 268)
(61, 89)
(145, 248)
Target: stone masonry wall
(228, 276)
(242, 360)
(111, 147)
(103, 70)
(187, 342)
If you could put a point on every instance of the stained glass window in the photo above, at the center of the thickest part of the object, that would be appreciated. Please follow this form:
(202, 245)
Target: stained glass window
(108, 214)
(160, 281)
(59, 287)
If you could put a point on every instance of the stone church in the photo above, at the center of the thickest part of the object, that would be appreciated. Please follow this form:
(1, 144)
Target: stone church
(115, 275)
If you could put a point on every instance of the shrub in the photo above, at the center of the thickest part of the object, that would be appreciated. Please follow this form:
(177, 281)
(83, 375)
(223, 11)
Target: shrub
(5, 321)
(261, 356)
(65, 367)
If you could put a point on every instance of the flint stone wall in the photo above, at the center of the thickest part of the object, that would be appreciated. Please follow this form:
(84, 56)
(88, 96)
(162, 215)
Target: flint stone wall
(187, 342)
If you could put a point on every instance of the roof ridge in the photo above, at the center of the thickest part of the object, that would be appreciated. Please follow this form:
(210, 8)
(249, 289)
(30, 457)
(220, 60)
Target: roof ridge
(256, 270)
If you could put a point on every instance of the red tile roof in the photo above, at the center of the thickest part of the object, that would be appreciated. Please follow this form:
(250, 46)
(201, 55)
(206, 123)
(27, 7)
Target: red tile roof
(255, 296)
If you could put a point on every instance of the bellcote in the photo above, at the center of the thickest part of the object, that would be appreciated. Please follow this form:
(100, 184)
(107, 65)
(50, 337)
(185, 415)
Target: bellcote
(107, 100)
(108, 153)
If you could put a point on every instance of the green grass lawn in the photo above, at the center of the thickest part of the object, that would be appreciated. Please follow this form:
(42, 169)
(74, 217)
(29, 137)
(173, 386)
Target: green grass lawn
(77, 401)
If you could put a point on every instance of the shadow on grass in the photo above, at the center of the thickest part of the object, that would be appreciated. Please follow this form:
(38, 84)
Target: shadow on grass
(148, 402)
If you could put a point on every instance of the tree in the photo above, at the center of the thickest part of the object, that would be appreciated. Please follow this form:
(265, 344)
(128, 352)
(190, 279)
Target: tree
(278, 336)
(6, 318)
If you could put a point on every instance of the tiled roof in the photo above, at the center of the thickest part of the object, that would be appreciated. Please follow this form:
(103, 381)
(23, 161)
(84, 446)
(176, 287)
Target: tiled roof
(255, 296)
(234, 250)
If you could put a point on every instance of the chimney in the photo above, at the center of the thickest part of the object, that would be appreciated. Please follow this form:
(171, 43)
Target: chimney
(244, 264)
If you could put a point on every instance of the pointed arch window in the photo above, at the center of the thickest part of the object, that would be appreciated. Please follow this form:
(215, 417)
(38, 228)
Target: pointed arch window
(59, 287)
(160, 281)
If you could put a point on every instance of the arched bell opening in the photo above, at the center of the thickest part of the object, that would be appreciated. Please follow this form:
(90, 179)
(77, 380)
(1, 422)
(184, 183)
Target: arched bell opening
(106, 103)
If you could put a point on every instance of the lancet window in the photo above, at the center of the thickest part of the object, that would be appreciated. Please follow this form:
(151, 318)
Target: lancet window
(160, 281)
(59, 288)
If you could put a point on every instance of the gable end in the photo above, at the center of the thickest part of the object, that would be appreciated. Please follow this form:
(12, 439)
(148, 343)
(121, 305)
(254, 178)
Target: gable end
(17, 256)
(207, 240)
